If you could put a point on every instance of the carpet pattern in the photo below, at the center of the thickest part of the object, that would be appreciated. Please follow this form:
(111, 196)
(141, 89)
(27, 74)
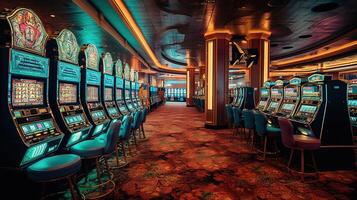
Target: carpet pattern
(183, 160)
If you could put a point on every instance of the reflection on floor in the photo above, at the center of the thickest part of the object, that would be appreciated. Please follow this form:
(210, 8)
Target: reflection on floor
(183, 160)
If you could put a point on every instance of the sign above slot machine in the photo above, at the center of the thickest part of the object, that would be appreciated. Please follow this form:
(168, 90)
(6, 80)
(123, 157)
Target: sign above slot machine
(68, 48)
(108, 64)
(119, 68)
(91, 57)
(127, 71)
(27, 31)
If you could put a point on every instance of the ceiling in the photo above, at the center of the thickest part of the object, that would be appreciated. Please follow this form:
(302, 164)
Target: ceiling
(175, 28)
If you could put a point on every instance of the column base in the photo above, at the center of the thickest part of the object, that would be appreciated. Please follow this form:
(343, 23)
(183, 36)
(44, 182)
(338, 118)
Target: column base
(214, 126)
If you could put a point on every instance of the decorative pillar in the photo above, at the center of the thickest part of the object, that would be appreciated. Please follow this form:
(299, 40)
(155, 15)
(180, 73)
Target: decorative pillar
(190, 85)
(216, 84)
(259, 72)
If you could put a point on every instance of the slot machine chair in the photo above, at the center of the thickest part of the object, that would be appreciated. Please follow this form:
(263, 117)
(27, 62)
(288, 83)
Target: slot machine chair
(248, 122)
(300, 143)
(54, 168)
(135, 125)
(142, 121)
(229, 115)
(237, 120)
(124, 134)
(265, 131)
(97, 149)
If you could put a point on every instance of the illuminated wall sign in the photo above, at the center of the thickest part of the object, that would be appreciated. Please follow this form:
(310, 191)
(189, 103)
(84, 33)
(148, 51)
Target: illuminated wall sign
(210, 76)
(28, 32)
(107, 63)
(91, 54)
(68, 48)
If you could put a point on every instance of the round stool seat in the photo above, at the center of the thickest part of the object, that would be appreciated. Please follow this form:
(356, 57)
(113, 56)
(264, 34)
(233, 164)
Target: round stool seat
(273, 131)
(54, 167)
(305, 142)
(88, 148)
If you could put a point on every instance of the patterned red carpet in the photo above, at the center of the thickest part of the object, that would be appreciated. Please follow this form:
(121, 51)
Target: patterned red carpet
(183, 160)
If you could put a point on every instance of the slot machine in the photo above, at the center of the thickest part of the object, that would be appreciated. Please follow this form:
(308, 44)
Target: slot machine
(127, 89)
(29, 131)
(276, 97)
(91, 90)
(291, 100)
(323, 114)
(352, 106)
(137, 88)
(264, 96)
(245, 100)
(119, 88)
(108, 87)
(64, 87)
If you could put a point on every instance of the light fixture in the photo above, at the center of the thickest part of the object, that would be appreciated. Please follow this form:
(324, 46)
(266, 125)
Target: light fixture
(53, 16)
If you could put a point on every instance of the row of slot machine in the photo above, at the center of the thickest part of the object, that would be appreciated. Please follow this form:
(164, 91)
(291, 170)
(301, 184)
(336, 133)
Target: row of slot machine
(55, 94)
(317, 107)
(175, 94)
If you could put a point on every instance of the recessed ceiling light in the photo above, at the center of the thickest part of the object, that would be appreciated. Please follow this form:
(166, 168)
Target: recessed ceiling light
(305, 36)
(53, 16)
(287, 47)
(325, 7)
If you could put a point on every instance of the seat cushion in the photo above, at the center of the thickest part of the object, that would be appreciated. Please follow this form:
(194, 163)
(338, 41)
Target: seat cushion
(88, 148)
(54, 167)
(271, 130)
(306, 142)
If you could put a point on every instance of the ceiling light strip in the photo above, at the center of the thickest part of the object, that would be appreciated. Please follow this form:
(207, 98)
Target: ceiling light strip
(119, 5)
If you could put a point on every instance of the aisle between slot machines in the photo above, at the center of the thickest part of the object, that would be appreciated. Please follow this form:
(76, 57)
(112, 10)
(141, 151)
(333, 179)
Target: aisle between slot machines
(91, 90)
(323, 114)
(64, 88)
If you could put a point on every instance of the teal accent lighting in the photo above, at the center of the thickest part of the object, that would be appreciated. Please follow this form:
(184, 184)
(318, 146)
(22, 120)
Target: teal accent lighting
(74, 138)
(108, 80)
(34, 152)
(98, 129)
(93, 77)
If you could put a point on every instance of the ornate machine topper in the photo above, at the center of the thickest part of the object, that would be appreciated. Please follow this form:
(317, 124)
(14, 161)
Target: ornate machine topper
(127, 71)
(316, 78)
(68, 48)
(295, 81)
(27, 31)
(279, 82)
(119, 68)
(136, 76)
(91, 54)
(268, 84)
(107, 63)
(132, 75)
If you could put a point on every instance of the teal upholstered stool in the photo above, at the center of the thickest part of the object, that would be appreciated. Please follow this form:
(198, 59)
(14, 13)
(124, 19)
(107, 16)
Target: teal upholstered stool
(237, 120)
(248, 122)
(55, 168)
(142, 121)
(266, 132)
(135, 124)
(229, 113)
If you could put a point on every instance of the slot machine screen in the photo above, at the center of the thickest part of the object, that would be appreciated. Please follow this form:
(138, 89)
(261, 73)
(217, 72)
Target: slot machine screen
(352, 102)
(108, 94)
(276, 92)
(311, 91)
(67, 93)
(27, 92)
(262, 103)
(264, 92)
(288, 106)
(127, 94)
(291, 92)
(273, 105)
(92, 93)
(352, 89)
(119, 94)
(307, 108)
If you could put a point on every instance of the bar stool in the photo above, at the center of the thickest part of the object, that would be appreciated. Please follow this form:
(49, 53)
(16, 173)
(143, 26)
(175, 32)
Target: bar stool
(266, 131)
(229, 112)
(248, 122)
(237, 120)
(55, 168)
(124, 134)
(301, 143)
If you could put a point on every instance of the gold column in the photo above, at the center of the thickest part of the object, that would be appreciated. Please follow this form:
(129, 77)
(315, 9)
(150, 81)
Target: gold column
(190, 85)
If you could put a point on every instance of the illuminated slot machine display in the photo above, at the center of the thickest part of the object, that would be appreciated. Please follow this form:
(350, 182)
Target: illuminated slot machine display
(291, 100)
(108, 87)
(352, 105)
(265, 96)
(323, 114)
(65, 79)
(184, 94)
(29, 131)
(127, 88)
(132, 90)
(91, 90)
(136, 91)
(245, 100)
(119, 88)
(276, 97)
